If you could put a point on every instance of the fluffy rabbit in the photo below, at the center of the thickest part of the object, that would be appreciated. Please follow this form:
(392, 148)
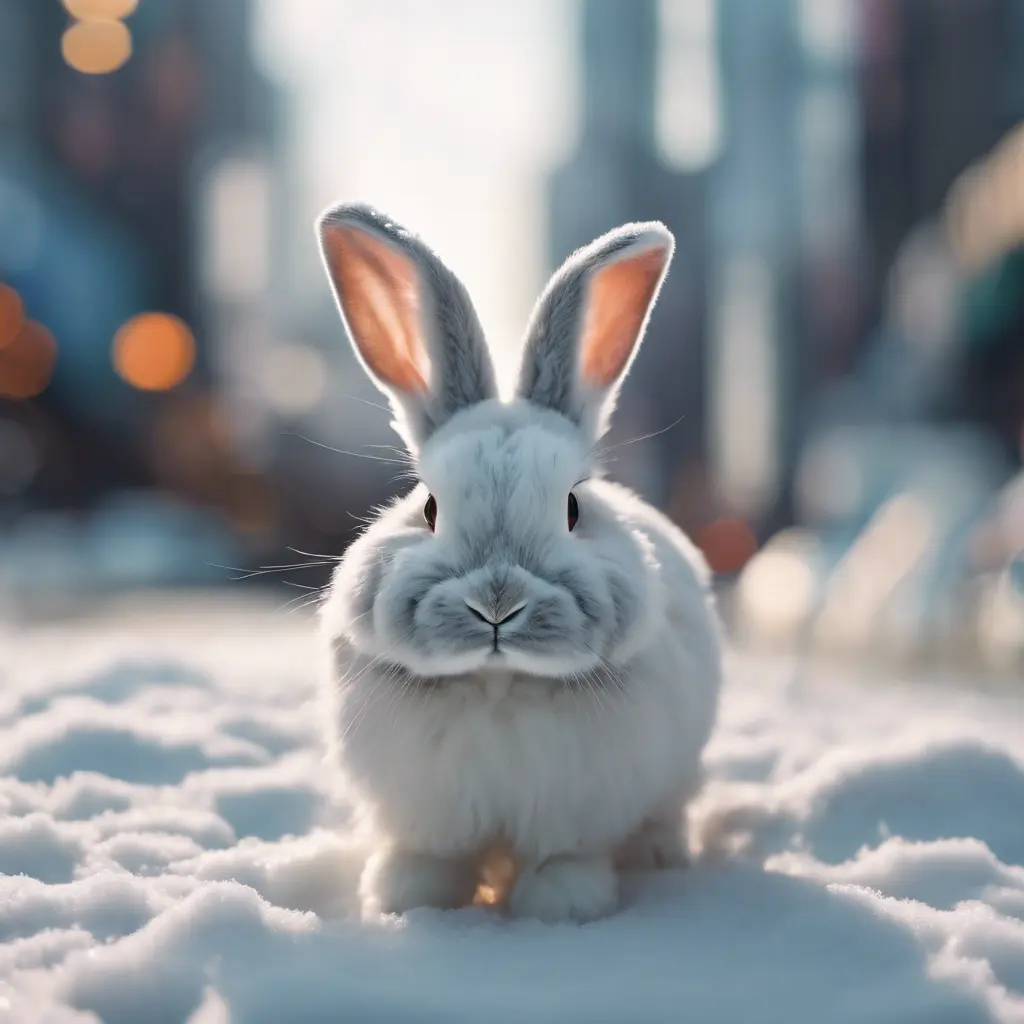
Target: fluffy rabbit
(523, 653)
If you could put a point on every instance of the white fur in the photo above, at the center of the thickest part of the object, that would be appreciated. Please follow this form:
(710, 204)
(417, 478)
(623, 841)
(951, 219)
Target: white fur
(396, 880)
(661, 842)
(500, 753)
(566, 888)
(502, 679)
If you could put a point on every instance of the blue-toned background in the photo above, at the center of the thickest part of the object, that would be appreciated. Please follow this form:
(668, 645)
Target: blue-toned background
(833, 383)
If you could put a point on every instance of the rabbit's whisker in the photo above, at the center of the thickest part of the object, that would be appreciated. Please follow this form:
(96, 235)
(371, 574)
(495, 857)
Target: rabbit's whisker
(355, 455)
(643, 437)
(267, 570)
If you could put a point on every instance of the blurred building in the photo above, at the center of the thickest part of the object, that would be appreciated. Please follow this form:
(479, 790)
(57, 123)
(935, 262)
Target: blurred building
(783, 243)
(941, 87)
(940, 84)
(617, 175)
(764, 288)
(122, 139)
(910, 525)
(808, 155)
(754, 255)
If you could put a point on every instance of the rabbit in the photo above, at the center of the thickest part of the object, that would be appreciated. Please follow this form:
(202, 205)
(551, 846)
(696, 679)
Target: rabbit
(523, 653)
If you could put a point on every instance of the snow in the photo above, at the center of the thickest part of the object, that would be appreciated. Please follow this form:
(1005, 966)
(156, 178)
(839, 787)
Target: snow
(172, 850)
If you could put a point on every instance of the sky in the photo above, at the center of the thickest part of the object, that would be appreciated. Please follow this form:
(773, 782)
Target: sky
(446, 115)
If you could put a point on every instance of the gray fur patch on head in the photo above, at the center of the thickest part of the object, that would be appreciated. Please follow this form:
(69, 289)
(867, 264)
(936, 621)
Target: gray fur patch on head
(461, 371)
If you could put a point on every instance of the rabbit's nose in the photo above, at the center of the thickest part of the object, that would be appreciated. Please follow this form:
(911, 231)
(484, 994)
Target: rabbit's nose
(493, 615)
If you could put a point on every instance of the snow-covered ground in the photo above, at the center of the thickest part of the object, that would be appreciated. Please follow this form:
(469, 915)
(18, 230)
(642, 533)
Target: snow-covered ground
(171, 852)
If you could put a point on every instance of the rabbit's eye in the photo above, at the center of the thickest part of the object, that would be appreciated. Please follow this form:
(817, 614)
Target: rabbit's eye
(574, 510)
(430, 512)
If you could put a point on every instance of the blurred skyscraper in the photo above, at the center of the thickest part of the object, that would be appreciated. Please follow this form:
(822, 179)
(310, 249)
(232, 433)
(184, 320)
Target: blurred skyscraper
(616, 175)
(765, 283)
(940, 84)
(114, 203)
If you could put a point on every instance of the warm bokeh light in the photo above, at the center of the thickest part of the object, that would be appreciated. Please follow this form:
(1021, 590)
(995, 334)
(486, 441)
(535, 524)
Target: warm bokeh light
(250, 503)
(154, 351)
(26, 363)
(498, 873)
(12, 314)
(100, 10)
(96, 47)
(728, 544)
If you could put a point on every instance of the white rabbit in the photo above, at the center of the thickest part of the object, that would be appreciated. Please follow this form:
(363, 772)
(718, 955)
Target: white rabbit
(523, 654)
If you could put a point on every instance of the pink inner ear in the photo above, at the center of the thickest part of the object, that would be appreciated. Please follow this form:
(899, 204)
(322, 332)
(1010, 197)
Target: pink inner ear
(618, 298)
(379, 294)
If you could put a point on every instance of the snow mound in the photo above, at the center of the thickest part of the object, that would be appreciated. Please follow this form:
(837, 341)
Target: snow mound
(171, 851)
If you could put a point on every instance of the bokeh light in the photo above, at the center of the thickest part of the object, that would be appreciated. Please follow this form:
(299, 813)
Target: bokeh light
(154, 351)
(728, 544)
(27, 361)
(96, 47)
(779, 587)
(1001, 621)
(863, 593)
(293, 378)
(12, 314)
(100, 10)
(985, 208)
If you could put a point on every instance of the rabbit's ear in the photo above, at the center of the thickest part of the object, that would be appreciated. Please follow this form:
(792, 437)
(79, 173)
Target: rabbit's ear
(589, 322)
(409, 318)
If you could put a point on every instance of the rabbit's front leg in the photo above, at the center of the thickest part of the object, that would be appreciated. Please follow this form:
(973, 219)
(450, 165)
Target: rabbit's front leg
(396, 880)
(565, 887)
(659, 843)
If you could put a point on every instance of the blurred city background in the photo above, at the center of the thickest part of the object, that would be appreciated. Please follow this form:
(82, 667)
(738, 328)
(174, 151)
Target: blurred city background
(831, 396)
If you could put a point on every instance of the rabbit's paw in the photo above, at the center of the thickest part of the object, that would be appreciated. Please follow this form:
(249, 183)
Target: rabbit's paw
(565, 888)
(395, 881)
(656, 845)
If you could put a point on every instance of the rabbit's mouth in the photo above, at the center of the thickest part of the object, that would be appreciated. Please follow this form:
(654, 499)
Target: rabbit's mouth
(434, 660)
(498, 676)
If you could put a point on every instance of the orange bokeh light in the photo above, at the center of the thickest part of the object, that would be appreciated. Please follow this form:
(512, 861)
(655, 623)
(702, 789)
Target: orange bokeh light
(728, 544)
(96, 47)
(154, 351)
(27, 361)
(12, 314)
(100, 10)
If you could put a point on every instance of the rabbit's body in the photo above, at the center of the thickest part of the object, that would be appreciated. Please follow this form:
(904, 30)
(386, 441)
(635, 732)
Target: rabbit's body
(548, 766)
(507, 671)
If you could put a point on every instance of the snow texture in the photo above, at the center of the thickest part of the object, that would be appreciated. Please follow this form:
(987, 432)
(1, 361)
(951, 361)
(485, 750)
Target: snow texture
(172, 851)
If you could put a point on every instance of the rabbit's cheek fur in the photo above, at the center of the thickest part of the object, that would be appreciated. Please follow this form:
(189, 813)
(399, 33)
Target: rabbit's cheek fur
(582, 598)
(544, 768)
